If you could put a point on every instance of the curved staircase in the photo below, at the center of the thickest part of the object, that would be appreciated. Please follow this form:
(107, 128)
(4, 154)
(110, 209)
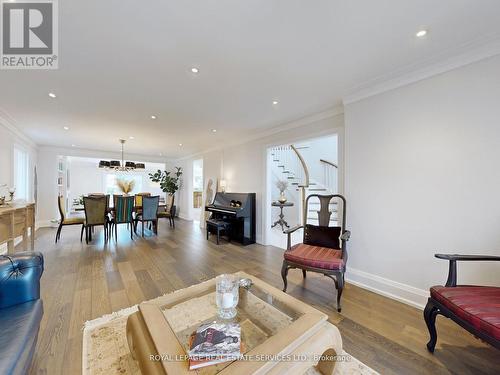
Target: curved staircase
(294, 169)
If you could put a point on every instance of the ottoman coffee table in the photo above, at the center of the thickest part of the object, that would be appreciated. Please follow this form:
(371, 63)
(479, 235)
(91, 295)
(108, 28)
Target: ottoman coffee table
(280, 334)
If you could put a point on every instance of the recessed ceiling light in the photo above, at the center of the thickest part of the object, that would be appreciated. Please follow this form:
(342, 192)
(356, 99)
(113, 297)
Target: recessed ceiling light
(275, 102)
(65, 128)
(153, 117)
(52, 95)
(214, 130)
(73, 145)
(180, 144)
(131, 137)
(421, 33)
(195, 70)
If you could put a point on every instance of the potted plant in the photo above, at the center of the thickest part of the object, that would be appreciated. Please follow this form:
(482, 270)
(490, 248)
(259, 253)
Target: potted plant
(169, 181)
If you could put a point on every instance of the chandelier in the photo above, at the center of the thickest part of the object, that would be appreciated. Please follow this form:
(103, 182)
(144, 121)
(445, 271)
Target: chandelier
(122, 166)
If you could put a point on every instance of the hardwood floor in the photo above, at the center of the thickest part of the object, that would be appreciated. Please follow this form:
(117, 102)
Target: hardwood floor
(83, 282)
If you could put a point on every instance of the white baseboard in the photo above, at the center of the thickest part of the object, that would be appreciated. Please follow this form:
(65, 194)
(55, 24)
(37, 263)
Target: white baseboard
(43, 224)
(392, 289)
(184, 217)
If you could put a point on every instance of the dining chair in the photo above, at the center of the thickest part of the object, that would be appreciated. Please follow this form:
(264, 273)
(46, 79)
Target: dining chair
(138, 198)
(95, 215)
(67, 220)
(169, 211)
(149, 212)
(123, 214)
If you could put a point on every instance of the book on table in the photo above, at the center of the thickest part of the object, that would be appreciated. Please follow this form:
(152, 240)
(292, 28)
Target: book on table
(214, 343)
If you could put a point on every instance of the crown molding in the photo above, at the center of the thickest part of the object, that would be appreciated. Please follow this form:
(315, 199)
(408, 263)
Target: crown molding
(468, 53)
(8, 123)
(286, 126)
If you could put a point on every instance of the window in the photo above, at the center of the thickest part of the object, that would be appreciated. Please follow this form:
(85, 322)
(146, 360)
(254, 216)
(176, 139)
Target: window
(21, 173)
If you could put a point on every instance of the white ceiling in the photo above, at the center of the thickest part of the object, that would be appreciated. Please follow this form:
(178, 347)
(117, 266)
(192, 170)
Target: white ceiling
(122, 61)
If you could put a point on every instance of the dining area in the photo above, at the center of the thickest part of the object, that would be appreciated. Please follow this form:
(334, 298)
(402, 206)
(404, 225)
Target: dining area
(140, 211)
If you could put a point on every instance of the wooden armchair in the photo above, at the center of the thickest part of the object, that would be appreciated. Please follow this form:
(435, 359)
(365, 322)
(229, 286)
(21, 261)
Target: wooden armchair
(475, 308)
(323, 248)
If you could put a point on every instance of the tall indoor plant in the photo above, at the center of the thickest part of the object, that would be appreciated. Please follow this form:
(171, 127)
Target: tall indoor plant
(169, 181)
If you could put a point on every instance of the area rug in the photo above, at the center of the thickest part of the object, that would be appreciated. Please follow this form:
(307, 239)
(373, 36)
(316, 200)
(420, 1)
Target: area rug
(106, 352)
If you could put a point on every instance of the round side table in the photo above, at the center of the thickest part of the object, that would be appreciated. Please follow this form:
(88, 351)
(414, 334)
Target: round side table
(281, 220)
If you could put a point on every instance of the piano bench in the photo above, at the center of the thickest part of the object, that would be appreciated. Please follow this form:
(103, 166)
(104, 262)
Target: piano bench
(218, 226)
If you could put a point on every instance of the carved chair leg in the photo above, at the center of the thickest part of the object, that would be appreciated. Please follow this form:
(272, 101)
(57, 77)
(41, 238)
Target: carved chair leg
(81, 233)
(58, 233)
(304, 273)
(284, 273)
(430, 313)
(340, 288)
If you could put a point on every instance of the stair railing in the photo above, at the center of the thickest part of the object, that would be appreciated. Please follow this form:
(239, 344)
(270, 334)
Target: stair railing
(330, 173)
(304, 185)
(293, 164)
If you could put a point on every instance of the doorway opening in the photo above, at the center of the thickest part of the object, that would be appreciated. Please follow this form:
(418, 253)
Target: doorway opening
(294, 171)
(197, 188)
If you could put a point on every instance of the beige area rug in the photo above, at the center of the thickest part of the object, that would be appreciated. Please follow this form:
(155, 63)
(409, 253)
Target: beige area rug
(106, 352)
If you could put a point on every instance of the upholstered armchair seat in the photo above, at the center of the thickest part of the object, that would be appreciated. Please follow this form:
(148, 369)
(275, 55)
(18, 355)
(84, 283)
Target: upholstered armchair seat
(18, 336)
(477, 305)
(21, 310)
(475, 308)
(315, 256)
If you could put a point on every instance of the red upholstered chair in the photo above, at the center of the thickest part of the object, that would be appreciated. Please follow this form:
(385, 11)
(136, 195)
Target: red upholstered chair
(475, 308)
(323, 248)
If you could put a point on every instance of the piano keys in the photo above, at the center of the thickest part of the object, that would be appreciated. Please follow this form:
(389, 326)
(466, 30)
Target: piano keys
(239, 210)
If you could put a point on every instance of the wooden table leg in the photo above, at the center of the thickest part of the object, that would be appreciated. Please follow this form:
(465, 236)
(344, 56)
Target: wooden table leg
(10, 247)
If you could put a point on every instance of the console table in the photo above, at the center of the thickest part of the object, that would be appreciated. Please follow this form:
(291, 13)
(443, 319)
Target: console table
(15, 220)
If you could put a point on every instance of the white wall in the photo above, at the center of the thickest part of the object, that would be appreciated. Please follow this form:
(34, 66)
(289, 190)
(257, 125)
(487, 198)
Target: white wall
(422, 177)
(243, 166)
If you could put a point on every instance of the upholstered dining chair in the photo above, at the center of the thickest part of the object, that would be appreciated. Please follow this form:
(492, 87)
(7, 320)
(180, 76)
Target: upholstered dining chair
(138, 198)
(95, 215)
(149, 212)
(123, 214)
(323, 248)
(67, 220)
(169, 211)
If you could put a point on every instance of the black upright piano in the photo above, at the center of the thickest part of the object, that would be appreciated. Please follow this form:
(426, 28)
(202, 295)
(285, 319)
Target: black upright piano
(239, 210)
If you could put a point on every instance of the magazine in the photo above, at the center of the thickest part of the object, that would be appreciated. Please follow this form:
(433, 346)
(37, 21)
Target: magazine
(214, 343)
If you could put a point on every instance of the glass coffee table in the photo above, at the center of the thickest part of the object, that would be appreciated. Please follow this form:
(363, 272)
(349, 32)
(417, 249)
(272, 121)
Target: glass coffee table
(279, 333)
